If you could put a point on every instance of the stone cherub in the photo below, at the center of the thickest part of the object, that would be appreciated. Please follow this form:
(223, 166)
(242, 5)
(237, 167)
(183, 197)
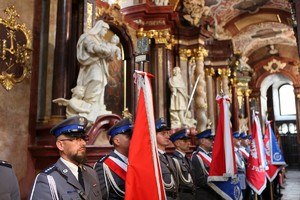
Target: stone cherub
(76, 105)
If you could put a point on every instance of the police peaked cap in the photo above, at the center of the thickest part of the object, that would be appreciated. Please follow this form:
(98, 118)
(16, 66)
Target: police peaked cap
(73, 126)
(205, 134)
(243, 135)
(180, 135)
(124, 126)
(236, 134)
(160, 125)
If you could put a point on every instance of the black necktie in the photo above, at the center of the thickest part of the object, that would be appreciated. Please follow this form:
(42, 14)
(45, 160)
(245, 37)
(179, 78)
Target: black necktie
(80, 178)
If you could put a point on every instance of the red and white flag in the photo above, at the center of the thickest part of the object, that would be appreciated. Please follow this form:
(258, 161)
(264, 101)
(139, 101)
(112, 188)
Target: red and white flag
(223, 173)
(143, 179)
(257, 165)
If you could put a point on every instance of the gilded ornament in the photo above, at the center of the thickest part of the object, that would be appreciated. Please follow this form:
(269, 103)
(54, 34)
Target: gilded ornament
(274, 66)
(15, 50)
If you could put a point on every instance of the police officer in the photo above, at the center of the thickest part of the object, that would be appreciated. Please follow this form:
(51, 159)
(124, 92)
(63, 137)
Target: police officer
(9, 187)
(69, 177)
(168, 170)
(183, 164)
(240, 162)
(112, 168)
(201, 160)
(244, 147)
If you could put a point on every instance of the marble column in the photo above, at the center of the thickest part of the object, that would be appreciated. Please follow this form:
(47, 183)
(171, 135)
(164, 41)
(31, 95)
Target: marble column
(211, 101)
(234, 105)
(247, 93)
(63, 32)
(200, 97)
(224, 73)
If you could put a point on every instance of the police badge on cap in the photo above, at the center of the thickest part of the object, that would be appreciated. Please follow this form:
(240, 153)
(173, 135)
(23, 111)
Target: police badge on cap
(161, 125)
(73, 126)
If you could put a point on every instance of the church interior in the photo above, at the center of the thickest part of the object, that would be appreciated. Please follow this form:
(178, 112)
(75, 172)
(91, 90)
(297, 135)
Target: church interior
(245, 49)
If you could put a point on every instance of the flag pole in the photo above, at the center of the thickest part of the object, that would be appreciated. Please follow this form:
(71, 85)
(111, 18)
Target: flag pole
(271, 190)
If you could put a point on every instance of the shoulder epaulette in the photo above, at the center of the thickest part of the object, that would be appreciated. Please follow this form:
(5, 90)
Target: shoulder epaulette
(103, 158)
(49, 170)
(5, 163)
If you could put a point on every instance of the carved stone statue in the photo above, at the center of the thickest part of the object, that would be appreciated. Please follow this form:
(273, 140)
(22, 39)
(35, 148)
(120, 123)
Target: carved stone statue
(243, 124)
(94, 55)
(179, 99)
(194, 10)
(76, 105)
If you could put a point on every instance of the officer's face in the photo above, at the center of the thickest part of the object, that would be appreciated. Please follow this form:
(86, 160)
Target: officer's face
(122, 142)
(183, 145)
(163, 139)
(245, 142)
(206, 143)
(72, 148)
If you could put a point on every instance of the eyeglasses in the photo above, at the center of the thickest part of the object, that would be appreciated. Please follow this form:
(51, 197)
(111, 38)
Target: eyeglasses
(77, 139)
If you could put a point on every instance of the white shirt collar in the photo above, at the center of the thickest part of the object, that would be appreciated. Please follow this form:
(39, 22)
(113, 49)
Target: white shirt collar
(72, 167)
(182, 153)
(124, 158)
(161, 151)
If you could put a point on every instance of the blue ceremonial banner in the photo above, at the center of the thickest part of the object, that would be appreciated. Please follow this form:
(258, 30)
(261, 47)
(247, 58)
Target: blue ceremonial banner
(276, 155)
(228, 189)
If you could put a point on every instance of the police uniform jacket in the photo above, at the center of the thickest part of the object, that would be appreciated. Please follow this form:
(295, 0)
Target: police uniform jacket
(112, 187)
(201, 174)
(169, 176)
(185, 175)
(59, 178)
(9, 187)
(241, 168)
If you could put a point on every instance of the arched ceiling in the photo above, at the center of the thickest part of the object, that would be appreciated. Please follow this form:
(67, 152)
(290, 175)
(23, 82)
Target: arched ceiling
(258, 28)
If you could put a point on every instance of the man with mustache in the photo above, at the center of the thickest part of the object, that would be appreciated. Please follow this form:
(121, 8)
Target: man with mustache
(69, 177)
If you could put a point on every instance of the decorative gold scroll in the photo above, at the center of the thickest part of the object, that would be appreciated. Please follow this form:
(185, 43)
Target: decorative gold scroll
(15, 50)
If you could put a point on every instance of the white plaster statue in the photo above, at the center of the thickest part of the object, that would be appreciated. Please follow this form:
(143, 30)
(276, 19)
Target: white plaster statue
(161, 2)
(179, 99)
(115, 40)
(190, 121)
(243, 124)
(94, 54)
(76, 105)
